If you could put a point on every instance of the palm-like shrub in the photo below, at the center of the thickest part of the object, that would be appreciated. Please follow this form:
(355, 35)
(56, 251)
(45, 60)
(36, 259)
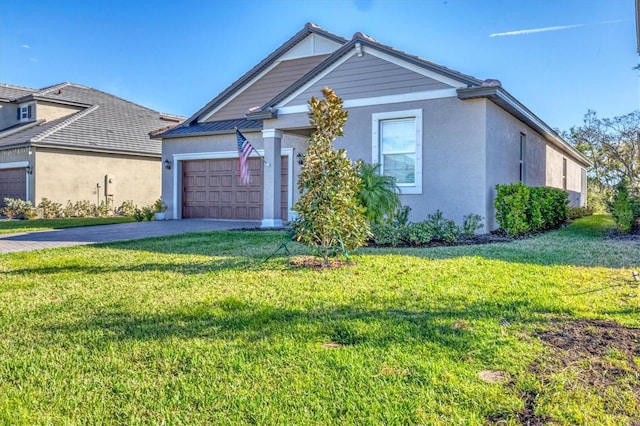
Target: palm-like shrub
(378, 194)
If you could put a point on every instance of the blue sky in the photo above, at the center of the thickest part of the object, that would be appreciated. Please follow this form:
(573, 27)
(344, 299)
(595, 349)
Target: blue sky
(558, 57)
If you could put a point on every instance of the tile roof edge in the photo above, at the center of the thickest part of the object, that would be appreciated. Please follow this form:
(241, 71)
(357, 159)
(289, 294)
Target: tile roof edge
(63, 124)
(13, 131)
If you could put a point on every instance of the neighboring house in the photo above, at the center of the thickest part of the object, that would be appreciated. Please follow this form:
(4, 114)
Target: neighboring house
(448, 138)
(72, 143)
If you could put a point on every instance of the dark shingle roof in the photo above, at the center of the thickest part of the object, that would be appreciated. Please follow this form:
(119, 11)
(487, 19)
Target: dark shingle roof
(110, 124)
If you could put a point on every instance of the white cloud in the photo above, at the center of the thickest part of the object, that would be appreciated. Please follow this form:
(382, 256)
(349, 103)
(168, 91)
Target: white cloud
(545, 29)
(536, 30)
(25, 46)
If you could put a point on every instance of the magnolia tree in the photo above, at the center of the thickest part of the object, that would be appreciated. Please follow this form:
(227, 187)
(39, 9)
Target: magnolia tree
(330, 218)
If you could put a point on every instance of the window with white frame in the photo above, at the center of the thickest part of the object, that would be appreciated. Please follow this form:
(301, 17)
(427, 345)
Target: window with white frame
(397, 146)
(25, 112)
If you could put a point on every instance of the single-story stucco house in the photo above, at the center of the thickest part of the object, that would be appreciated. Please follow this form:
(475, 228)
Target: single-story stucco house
(70, 142)
(447, 137)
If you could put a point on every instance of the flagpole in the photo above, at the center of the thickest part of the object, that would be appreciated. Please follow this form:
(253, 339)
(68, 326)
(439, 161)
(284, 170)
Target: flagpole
(254, 149)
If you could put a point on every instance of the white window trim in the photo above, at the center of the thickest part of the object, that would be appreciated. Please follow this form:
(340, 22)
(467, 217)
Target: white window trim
(33, 112)
(177, 182)
(375, 144)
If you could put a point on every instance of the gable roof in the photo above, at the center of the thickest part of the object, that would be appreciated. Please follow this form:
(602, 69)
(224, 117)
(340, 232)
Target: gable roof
(308, 29)
(267, 110)
(358, 41)
(105, 123)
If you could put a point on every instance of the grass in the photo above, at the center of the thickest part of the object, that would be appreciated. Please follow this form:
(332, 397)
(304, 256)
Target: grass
(197, 329)
(16, 226)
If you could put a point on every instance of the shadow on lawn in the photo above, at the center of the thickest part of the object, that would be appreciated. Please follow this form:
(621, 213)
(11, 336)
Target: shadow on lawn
(233, 320)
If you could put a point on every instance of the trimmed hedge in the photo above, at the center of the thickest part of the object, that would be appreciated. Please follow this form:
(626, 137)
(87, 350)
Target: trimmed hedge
(521, 209)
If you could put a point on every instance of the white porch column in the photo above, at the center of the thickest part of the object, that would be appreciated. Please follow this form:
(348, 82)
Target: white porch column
(272, 139)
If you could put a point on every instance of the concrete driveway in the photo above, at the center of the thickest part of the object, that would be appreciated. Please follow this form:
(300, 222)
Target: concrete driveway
(117, 232)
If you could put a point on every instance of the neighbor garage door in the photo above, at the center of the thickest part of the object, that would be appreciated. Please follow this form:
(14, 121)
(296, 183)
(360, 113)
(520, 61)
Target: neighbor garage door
(212, 190)
(13, 184)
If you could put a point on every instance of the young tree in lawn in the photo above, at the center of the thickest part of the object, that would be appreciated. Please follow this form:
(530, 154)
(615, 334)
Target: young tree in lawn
(330, 218)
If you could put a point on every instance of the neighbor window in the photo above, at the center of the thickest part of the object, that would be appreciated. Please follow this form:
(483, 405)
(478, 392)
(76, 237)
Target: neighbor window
(564, 174)
(523, 150)
(25, 112)
(397, 147)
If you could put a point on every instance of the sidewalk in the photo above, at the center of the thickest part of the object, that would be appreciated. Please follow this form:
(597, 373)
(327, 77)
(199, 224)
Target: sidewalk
(108, 233)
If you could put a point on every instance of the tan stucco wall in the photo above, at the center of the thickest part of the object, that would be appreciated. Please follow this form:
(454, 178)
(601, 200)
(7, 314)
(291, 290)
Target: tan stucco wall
(67, 175)
(50, 112)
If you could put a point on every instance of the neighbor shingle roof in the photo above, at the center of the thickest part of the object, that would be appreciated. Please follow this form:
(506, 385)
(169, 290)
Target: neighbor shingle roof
(110, 124)
(9, 92)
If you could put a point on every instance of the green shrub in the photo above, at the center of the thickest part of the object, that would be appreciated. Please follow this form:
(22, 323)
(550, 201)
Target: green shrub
(434, 228)
(442, 229)
(624, 207)
(471, 223)
(148, 212)
(574, 213)
(104, 209)
(418, 233)
(521, 209)
(159, 206)
(138, 215)
(50, 210)
(387, 235)
(82, 208)
(18, 209)
(127, 208)
(511, 208)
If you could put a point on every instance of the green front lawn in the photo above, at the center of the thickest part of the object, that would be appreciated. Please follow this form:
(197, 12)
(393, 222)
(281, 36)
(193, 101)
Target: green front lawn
(196, 329)
(16, 226)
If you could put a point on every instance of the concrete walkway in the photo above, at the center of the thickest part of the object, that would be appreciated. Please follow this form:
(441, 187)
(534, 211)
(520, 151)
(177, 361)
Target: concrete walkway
(106, 233)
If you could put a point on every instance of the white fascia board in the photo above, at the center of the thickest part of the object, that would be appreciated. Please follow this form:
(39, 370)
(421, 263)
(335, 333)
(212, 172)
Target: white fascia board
(380, 100)
(238, 92)
(317, 78)
(14, 165)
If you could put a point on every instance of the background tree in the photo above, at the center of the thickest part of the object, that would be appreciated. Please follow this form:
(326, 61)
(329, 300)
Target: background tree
(613, 146)
(329, 215)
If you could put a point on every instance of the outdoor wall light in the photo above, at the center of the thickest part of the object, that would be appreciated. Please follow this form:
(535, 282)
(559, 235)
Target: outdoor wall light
(300, 158)
(29, 170)
(167, 164)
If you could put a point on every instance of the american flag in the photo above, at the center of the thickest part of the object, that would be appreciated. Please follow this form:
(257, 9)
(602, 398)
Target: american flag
(244, 151)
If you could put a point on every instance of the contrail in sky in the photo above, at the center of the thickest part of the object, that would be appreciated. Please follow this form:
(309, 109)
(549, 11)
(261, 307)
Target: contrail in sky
(544, 29)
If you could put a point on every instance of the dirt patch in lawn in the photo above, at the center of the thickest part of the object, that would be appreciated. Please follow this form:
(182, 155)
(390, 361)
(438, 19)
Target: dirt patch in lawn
(598, 354)
(317, 262)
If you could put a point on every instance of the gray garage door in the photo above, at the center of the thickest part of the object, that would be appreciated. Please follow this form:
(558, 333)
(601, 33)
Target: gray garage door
(212, 190)
(13, 184)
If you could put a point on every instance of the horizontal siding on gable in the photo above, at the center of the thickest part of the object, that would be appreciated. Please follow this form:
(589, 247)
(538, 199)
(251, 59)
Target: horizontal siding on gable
(274, 82)
(369, 76)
